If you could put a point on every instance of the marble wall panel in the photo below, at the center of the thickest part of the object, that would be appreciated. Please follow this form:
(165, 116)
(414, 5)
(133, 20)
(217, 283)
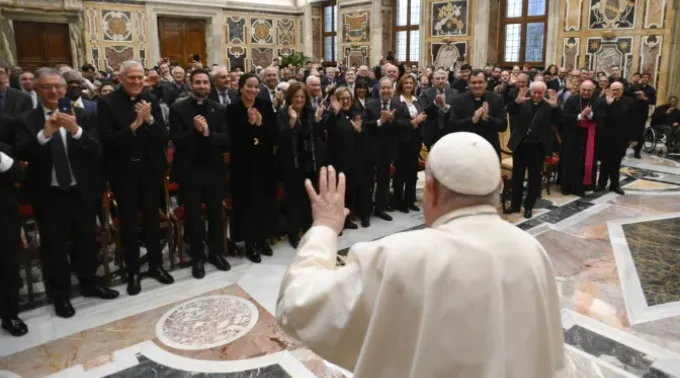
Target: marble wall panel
(572, 14)
(655, 14)
(262, 31)
(316, 37)
(387, 28)
(602, 54)
(355, 27)
(286, 31)
(356, 55)
(236, 30)
(116, 26)
(650, 56)
(446, 55)
(262, 56)
(611, 14)
(449, 18)
(236, 57)
(115, 55)
(570, 52)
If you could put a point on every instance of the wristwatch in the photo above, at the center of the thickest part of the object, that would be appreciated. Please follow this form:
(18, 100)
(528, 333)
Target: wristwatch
(150, 122)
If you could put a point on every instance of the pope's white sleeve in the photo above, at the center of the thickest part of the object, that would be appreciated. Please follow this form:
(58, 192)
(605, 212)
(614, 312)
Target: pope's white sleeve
(320, 305)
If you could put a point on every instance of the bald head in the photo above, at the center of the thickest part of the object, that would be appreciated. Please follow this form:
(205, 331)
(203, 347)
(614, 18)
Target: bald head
(587, 88)
(616, 89)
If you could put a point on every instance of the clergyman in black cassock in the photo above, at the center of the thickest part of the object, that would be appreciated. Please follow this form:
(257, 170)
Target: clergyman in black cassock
(135, 145)
(198, 130)
(530, 142)
(583, 117)
(644, 95)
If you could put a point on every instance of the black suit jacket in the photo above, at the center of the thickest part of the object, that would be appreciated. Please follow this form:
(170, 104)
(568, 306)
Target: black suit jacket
(231, 93)
(410, 132)
(9, 198)
(16, 102)
(84, 155)
(7, 125)
(464, 108)
(264, 93)
(619, 127)
(115, 114)
(437, 121)
(384, 138)
(171, 92)
(187, 140)
(540, 123)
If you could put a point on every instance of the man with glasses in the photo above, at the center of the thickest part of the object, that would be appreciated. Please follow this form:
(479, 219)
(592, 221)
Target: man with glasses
(12, 101)
(63, 184)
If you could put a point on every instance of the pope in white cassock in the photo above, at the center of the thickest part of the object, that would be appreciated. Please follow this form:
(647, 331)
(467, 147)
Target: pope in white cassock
(472, 296)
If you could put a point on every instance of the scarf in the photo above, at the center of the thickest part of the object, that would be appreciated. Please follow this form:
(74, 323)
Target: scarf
(590, 125)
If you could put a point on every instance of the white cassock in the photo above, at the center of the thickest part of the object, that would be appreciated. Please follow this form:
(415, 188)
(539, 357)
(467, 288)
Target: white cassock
(471, 297)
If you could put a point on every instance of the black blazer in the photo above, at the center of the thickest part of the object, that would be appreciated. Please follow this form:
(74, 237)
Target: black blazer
(264, 93)
(619, 127)
(436, 118)
(171, 92)
(411, 133)
(7, 125)
(187, 140)
(115, 114)
(9, 198)
(231, 93)
(84, 155)
(464, 108)
(540, 123)
(384, 138)
(16, 102)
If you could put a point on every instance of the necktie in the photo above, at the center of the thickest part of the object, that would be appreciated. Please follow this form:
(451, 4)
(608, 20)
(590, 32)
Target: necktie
(384, 105)
(60, 160)
(223, 96)
(1, 102)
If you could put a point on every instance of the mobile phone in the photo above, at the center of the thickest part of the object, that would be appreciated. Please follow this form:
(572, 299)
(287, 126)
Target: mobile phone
(65, 105)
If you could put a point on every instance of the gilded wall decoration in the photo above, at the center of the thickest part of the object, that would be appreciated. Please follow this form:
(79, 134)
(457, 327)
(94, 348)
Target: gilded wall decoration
(655, 14)
(573, 11)
(387, 28)
(236, 30)
(117, 26)
(355, 27)
(141, 25)
(612, 14)
(570, 52)
(115, 55)
(91, 16)
(650, 56)
(602, 54)
(356, 55)
(447, 55)
(95, 56)
(236, 57)
(286, 31)
(286, 51)
(262, 57)
(262, 32)
(449, 18)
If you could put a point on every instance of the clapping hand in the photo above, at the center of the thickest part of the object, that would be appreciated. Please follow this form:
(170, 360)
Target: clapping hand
(319, 111)
(51, 125)
(201, 125)
(328, 205)
(254, 117)
(143, 110)
(386, 116)
(552, 100)
(335, 105)
(292, 114)
(68, 122)
(610, 97)
(522, 96)
(669, 110)
(485, 113)
(586, 112)
(440, 100)
(420, 118)
(479, 113)
(356, 123)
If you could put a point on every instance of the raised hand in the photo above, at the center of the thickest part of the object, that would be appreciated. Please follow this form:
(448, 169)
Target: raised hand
(386, 115)
(552, 100)
(335, 105)
(292, 114)
(522, 96)
(51, 125)
(200, 124)
(328, 205)
(356, 123)
(610, 97)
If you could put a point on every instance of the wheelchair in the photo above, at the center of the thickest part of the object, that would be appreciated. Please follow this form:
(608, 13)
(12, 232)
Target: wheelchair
(653, 137)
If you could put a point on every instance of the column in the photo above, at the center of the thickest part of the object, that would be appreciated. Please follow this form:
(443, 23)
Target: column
(307, 40)
(376, 32)
(480, 52)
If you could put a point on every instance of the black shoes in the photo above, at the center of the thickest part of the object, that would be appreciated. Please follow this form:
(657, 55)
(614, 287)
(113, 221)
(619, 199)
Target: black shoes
(198, 269)
(63, 308)
(252, 254)
(161, 275)
(293, 240)
(403, 209)
(349, 225)
(510, 211)
(383, 215)
(14, 326)
(413, 207)
(527, 213)
(99, 291)
(617, 190)
(600, 188)
(365, 222)
(264, 249)
(637, 155)
(134, 283)
(219, 262)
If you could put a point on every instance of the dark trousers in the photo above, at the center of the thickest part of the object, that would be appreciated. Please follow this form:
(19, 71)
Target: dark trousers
(610, 164)
(10, 247)
(529, 156)
(382, 189)
(59, 215)
(639, 134)
(358, 194)
(139, 192)
(204, 186)
(406, 173)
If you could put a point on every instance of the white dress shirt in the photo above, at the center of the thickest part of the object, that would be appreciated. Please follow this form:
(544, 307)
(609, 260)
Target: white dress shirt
(412, 110)
(5, 162)
(43, 140)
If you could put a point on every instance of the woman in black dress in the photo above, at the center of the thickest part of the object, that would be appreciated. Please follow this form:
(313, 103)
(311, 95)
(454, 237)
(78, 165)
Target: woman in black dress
(361, 94)
(297, 156)
(252, 124)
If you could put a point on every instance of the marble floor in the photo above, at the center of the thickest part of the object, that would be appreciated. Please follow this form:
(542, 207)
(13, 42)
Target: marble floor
(617, 260)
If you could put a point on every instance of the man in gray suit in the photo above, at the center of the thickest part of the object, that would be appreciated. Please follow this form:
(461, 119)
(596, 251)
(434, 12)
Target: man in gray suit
(437, 101)
(12, 101)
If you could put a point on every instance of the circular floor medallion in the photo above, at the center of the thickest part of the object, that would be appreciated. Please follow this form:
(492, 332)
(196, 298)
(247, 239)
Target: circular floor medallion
(206, 322)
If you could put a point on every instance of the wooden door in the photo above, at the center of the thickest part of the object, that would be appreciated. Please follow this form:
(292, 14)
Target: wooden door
(180, 38)
(41, 44)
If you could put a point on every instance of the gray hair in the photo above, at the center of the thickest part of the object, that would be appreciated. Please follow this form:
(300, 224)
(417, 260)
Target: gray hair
(311, 78)
(46, 71)
(339, 91)
(535, 84)
(72, 75)
(176, 68)
(128, 65)
(439, 72)
(385, 78)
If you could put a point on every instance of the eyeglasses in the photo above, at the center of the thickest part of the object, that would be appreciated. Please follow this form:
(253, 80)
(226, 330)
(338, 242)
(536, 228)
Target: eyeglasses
(344, 98)
(50, 86)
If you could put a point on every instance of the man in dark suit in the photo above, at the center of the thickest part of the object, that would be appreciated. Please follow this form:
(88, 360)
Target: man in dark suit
(63, 183)
(479, 111)
(177, 89)
(74, 91)
(10, 281)
(530, 142)
(391, 72)
(135, 143)
(437, 101)
(12, 101)
(198, 130)
(385, 119)
(221, 91)
(613, 138)
(268, 87)
(644, 96)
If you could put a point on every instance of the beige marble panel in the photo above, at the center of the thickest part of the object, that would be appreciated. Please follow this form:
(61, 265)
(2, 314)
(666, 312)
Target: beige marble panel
(655, 13)
(572, 15)
(650, 185)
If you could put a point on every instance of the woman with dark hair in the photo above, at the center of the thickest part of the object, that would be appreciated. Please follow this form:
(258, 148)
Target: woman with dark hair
(408, 151)
(349, 151)
(552, 69)
(297, 156)
(252, 124)
(361, 92)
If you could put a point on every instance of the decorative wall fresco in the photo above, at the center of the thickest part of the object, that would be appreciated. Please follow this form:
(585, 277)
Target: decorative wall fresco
(570, 52)
(573, 9)
(286, 31)
(650, 56)
(262, 57)
(262, 32)
(356, 55)
(236, 57)
(116, 26)
(612, 14)
(236, 30)
(447, 55)
(602, 54)
(355, 27)
(284, 52)
(655, 14)
(449, 18)
(115, 55)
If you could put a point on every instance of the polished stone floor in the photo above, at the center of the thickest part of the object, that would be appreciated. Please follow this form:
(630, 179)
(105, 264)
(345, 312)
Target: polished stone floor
(617, 260)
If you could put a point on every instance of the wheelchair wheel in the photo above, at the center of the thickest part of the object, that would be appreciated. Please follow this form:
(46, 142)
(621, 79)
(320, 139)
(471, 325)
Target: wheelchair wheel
(649, 137)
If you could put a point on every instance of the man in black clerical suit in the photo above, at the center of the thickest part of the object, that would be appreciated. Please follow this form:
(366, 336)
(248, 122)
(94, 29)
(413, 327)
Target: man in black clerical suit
(221, 91)
(177, 89)
(10, 228)
(199, 132)
(530, 142)
(63, 183)
(12, 101)
(644, 96)
(384, 118)
(135, 143)
(437, 101)
(479, 111)
(613, 138)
